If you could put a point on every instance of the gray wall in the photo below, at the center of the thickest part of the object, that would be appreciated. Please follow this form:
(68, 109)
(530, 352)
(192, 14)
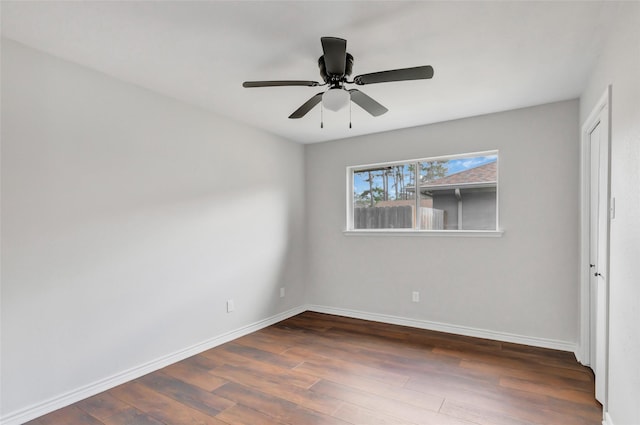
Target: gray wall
(478, 209)
(448, 203)
(128, 219)
(619, 65)
(524, 283)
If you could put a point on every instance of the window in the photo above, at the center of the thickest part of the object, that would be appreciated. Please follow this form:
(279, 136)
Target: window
(458, 192)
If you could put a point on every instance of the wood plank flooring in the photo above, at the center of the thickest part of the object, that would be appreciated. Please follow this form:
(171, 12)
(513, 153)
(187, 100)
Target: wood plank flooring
(316, 369)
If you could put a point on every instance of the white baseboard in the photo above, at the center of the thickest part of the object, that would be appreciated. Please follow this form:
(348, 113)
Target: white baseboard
(607, 419)
(582, 356)
(444, 327)
(23, 415)
(26, 414)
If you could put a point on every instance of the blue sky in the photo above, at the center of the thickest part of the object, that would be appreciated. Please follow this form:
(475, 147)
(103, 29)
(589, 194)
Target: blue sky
(462, 164)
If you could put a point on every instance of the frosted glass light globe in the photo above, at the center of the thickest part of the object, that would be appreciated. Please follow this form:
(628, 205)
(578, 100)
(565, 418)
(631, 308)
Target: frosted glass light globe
(335, 99)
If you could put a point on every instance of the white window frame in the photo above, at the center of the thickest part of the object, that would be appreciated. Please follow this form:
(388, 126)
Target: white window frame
(350, 231)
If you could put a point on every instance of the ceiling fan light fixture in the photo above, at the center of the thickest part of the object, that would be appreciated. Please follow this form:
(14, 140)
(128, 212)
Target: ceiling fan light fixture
(335, 98)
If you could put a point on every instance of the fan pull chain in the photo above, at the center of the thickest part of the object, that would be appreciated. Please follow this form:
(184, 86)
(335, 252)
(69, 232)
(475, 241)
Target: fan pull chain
(349, 114)
(321, 116)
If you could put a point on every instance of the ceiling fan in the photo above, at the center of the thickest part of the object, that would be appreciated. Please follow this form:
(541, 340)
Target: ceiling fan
(335, 66)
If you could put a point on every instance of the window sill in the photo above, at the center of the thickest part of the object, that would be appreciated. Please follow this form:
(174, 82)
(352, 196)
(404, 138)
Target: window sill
(427, 233)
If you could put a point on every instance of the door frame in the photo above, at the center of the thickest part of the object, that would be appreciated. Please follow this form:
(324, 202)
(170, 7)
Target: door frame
(584, 352)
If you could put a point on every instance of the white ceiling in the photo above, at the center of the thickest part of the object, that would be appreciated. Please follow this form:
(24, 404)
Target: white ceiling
(488, 56)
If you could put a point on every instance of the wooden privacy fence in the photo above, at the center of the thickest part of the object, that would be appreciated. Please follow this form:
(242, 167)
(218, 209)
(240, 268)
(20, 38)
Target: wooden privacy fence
(400, 217)
(431, 219)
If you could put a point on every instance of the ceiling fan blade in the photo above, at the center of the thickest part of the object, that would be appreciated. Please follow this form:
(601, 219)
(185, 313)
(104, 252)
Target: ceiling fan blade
(307, 106)
(417, 73)
(335, 55)
(280, 83)
(367, 103)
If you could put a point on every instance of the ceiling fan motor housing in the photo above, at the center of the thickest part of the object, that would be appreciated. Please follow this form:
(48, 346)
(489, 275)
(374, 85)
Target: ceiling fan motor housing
(335, 80)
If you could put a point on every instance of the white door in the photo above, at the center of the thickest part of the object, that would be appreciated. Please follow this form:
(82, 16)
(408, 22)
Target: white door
(599, 251)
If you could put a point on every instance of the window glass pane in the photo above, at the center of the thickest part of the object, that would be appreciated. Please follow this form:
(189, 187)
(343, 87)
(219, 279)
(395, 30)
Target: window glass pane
(453, 193)
(384, 197)
(459, 193)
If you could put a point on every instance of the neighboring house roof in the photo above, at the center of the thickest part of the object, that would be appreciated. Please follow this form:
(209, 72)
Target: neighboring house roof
(483, 175)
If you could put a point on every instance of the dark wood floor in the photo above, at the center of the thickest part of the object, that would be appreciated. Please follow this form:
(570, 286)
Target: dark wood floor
(321, 369)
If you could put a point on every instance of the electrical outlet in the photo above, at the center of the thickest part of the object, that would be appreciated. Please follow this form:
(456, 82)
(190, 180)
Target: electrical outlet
(231, 306)
(415, 296)
(282, 292)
